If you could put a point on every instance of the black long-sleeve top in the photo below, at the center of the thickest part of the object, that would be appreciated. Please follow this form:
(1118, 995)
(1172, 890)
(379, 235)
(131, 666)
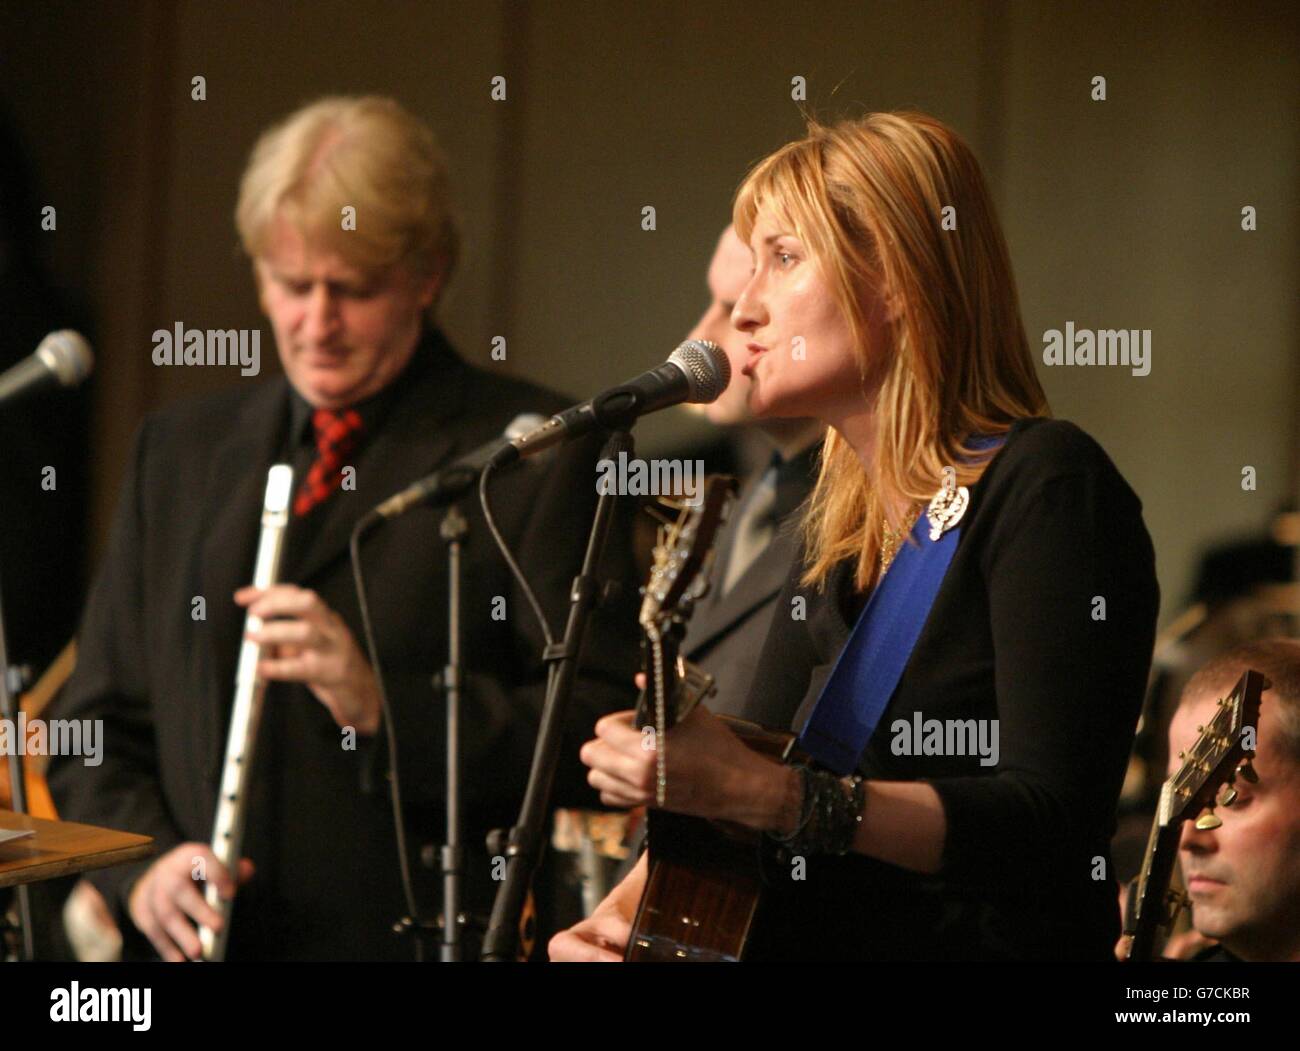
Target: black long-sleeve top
(1044, 622)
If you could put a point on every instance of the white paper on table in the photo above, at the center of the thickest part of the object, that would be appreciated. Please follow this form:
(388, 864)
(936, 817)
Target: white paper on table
(7, 834)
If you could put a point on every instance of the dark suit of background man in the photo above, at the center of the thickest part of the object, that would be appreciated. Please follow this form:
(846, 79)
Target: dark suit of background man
(369, 384)
(759, 542)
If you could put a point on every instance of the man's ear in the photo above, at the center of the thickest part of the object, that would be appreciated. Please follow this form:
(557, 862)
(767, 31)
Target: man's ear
(428, 288)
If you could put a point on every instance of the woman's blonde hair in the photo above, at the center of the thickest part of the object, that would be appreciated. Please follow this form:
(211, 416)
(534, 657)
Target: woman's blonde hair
(869, 198)
(369, 154)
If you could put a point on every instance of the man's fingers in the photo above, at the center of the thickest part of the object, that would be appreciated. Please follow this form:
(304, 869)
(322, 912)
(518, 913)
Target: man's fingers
(193, 904)
(212, 871)
(287, 600)
(147, 923)
(305, 667)
(288, 633)
(166, 948)
(183, 935)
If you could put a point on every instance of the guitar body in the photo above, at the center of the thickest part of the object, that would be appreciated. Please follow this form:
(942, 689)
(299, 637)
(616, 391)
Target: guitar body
(705, 881)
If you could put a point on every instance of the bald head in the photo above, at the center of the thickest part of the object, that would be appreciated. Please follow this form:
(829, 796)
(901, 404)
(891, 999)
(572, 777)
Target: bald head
(728, 275)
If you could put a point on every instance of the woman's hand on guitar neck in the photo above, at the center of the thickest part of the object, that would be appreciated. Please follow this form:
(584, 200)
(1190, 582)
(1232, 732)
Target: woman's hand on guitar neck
(710, 772)
(602, 936)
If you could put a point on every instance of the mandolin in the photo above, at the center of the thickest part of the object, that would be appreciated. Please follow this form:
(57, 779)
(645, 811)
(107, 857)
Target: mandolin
(1221, 754)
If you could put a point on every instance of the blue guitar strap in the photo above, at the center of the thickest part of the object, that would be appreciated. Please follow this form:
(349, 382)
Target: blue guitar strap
(868, 669)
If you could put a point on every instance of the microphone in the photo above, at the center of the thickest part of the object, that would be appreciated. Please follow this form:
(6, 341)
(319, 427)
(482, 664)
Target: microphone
(63, 358)
(445, 485)
(697, 371)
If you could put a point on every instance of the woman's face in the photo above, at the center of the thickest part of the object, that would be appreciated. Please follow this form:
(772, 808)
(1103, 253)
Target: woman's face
(800, 354)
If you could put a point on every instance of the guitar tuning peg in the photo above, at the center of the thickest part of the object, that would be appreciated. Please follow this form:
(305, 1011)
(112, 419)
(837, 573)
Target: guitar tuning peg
(1208, 820)
(1227, 796)
(1247, 772)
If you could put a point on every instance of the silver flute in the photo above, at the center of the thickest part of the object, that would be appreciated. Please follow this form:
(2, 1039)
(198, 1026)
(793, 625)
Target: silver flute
(250, 689)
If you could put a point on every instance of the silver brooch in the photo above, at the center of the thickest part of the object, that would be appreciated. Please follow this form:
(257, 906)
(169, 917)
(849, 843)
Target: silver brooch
(948, 505)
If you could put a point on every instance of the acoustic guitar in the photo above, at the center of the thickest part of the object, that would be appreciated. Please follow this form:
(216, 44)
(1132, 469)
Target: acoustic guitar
(705, 882)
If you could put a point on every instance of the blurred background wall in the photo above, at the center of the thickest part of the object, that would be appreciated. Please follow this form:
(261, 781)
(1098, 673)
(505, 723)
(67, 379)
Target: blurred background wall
(1123, 213)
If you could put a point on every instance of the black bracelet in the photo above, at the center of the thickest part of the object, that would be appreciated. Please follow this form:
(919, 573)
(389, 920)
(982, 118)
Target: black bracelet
(829, 814)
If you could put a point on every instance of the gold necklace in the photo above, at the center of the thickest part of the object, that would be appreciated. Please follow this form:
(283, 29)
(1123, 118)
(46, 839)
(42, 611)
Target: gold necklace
(892, 539)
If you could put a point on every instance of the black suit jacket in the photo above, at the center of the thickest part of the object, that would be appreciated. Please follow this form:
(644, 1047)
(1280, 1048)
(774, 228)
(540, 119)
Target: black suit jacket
(320, 830)
(725, 636)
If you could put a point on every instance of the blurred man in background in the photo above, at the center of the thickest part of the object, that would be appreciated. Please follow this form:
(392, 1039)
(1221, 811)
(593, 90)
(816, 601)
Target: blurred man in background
(372, 393)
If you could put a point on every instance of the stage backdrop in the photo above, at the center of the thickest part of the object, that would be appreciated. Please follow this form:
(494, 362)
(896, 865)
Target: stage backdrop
(1123, 212)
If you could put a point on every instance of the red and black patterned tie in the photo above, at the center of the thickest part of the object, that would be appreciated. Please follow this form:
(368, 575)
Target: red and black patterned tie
(337, 434)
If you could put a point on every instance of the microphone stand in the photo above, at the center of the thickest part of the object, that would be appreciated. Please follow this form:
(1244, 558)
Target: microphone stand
(522, 845)
(452, 856)
(10, 683)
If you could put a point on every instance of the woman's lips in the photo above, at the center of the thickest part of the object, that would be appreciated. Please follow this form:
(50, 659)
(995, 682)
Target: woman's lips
(756, 350)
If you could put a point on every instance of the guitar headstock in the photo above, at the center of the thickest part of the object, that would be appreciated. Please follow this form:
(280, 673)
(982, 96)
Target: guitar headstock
(682, 550)
(682, 553)
(1226, 743)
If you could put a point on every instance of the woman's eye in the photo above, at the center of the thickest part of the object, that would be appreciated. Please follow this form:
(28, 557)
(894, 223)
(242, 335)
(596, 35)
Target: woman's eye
(784, 257)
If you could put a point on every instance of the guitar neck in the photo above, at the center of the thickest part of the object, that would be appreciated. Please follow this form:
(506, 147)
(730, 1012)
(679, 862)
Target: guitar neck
(1153, 888)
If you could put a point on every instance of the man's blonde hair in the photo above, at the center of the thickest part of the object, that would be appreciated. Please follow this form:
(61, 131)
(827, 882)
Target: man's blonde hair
(369, 154)
(867, 198)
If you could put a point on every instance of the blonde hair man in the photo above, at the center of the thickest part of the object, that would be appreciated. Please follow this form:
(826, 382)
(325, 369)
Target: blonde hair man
(344, 212)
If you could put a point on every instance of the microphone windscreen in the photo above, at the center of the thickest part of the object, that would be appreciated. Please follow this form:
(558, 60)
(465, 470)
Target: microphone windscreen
(68, 356)
(707, 369)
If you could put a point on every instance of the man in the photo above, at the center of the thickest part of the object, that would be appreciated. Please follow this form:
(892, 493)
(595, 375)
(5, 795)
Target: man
(759, 543)
(372, 398)
(1243, 877)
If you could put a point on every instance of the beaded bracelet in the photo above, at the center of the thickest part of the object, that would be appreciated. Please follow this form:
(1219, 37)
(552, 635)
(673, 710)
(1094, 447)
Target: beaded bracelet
(829, 814)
